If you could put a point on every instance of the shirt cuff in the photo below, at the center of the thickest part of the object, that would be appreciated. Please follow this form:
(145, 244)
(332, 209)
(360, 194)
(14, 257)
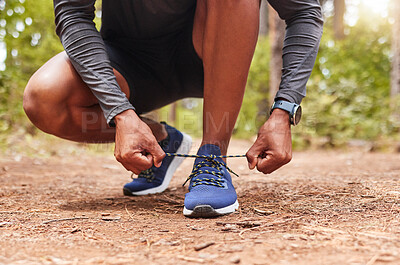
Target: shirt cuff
(289, 95)
(117, 110)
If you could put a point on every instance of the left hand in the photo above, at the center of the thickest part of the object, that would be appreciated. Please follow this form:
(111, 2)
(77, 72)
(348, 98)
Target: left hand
(273, 147)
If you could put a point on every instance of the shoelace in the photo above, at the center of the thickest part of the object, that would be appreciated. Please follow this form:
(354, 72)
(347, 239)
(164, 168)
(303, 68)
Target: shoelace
(147, 174)
(209, 161)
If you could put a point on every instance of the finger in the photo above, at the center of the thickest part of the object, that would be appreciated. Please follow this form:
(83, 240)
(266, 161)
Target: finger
(137, 162)
(132, 169)
(157, 154)
(253, 154)
(268, 164)
(141, 161)
(136, 171)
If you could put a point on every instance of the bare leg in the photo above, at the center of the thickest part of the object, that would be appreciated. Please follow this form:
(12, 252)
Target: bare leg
(224, 35)
(58, 102)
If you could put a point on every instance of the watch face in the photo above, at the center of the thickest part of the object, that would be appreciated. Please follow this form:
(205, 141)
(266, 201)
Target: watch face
(297, 115)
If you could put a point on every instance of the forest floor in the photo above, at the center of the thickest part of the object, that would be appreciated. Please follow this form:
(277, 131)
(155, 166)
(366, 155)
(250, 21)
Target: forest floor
(325, 207)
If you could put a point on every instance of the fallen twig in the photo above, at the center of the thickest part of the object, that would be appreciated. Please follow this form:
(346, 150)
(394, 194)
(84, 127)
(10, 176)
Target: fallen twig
(248, 229)
(373, 259)
(169, 200)
(263, 212)
(64, 219)
(129, 214)
(245, 224)
(270, 224)
(203, 246)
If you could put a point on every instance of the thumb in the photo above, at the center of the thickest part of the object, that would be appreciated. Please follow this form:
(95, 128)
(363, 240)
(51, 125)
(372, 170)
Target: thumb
(252, 155)
(157, 153)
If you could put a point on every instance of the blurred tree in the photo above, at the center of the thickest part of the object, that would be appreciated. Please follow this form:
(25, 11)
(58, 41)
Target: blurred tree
(172, 113)
(263, 29)
(338, 18)
(276, 36)
(27, 34)
(348, 93)
(395, 79)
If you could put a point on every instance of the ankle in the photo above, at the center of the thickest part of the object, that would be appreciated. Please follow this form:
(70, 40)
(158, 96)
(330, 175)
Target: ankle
(223, 146)
(157, 128)
(161, 134)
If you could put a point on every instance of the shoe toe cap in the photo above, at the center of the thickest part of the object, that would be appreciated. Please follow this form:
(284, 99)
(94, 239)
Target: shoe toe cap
(221, 199)
(138, 185)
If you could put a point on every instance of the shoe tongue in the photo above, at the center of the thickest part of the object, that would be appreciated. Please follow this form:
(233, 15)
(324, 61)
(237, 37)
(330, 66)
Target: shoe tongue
(208, 149)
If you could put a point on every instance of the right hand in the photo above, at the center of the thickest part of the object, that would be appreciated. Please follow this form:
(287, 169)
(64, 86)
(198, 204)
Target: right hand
(136, 148)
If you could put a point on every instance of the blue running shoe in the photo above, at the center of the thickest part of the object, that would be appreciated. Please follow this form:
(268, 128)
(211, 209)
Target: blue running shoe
(156, 180)
(211, 192)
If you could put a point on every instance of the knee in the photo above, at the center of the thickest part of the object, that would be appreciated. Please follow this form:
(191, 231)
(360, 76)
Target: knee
(39, 99)
(33, 95)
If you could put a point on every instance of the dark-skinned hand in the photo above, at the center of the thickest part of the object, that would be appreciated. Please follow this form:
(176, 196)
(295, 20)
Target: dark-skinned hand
(273, 147)
(136, 148)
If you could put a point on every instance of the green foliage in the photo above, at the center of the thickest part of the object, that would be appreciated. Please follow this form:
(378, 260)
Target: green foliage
(348, 94)
(27, 29)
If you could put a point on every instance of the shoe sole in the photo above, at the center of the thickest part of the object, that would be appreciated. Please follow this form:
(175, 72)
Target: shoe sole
(206, 211)
(184, 148)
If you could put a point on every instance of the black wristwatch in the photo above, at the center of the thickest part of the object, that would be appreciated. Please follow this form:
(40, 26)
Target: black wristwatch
(293, 109)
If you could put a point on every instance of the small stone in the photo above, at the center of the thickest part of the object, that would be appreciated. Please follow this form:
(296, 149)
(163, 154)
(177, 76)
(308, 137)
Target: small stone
(75, 230)
(289, 237)
(368, 196)
(235, 260)
(4, 224)
(229, 227)
(111, 218)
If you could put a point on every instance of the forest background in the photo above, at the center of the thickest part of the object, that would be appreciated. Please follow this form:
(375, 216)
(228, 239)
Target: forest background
(352, 96)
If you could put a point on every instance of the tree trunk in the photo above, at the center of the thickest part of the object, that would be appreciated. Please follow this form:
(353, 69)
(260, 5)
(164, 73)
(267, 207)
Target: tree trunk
(276, 35)
(338, 18)
(395, 78)
(263, 29)
(172, 114)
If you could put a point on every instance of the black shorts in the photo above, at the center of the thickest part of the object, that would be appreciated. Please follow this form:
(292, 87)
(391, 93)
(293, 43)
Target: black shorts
(159, 70)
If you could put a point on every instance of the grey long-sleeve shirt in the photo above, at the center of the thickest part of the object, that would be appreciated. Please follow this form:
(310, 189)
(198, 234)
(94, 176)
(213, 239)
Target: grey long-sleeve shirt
(86, 49)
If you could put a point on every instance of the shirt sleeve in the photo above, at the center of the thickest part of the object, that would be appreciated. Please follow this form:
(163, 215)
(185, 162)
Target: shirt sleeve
(86, 50)
(303, 34)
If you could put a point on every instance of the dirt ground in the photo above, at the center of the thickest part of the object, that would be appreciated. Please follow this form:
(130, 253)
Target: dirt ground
(325, 207)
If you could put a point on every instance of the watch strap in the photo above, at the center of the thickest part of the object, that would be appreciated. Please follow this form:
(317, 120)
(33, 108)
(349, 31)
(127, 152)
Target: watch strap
(284, 105)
